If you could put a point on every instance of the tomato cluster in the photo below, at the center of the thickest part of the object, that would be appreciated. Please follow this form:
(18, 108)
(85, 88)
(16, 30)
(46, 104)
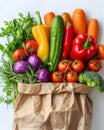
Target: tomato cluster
(30, 47)
(68, 70)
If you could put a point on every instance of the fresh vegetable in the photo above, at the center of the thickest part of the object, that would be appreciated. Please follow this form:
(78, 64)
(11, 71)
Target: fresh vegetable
(64, 65)
(94, 65)
(20, 66)
(34, 61)
(41, 35)
(77, 65)
(48, 17)
(19, 54)
(57, 77)
(93, 29)
(92, 79)
(101, 51)
(17, 32)
(43, 75)
(83, 47)
(68, 37)
(79, 21)
(31, 46)
(71, 76)
(56, 40)
(66, 18)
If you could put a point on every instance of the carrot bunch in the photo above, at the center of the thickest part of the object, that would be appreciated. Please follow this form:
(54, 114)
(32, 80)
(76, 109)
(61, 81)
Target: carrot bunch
(79, 19)
(79, 22)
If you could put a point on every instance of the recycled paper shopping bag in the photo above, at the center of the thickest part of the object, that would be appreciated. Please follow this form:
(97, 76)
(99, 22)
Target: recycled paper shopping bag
(53, 106)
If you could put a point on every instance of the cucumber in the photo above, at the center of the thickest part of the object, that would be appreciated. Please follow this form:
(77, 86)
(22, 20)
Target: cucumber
(56, 42)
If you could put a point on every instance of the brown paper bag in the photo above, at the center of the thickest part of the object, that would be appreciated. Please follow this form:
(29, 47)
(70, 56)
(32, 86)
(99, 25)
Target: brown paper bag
(53, 106)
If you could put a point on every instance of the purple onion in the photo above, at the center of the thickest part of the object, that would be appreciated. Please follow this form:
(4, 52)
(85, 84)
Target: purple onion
(34, 61)
(43, 75)
(20, 66)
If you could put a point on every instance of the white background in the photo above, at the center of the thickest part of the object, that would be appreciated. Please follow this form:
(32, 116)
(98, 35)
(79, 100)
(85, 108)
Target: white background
(9, 9)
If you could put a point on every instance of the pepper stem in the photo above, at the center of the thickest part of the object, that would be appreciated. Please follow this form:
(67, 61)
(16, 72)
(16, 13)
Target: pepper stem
(39, 20)
(87, 44)
(67, 21)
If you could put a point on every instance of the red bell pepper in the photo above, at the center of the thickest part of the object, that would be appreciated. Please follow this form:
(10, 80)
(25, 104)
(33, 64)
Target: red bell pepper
(83, 47)
(68, 37)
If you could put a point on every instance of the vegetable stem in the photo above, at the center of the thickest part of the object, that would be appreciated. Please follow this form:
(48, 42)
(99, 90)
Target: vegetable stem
(39, 20)
(87, 44)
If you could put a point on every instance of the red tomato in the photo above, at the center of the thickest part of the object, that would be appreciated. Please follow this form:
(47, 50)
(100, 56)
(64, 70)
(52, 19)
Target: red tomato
(31, 46)
(94, 65)
(19, 54)
(63, 65)
(77, 65)
(71, 76)
(57, 77)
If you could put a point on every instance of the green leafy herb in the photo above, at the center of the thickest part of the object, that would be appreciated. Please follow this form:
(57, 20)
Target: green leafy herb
(17, 32)
(7, 83)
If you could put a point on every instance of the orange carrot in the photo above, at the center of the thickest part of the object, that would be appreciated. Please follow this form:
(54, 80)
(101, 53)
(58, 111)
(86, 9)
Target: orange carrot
(101, 50)
(93, 28)
(79, 21)
(66, 17)
(48, 17)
